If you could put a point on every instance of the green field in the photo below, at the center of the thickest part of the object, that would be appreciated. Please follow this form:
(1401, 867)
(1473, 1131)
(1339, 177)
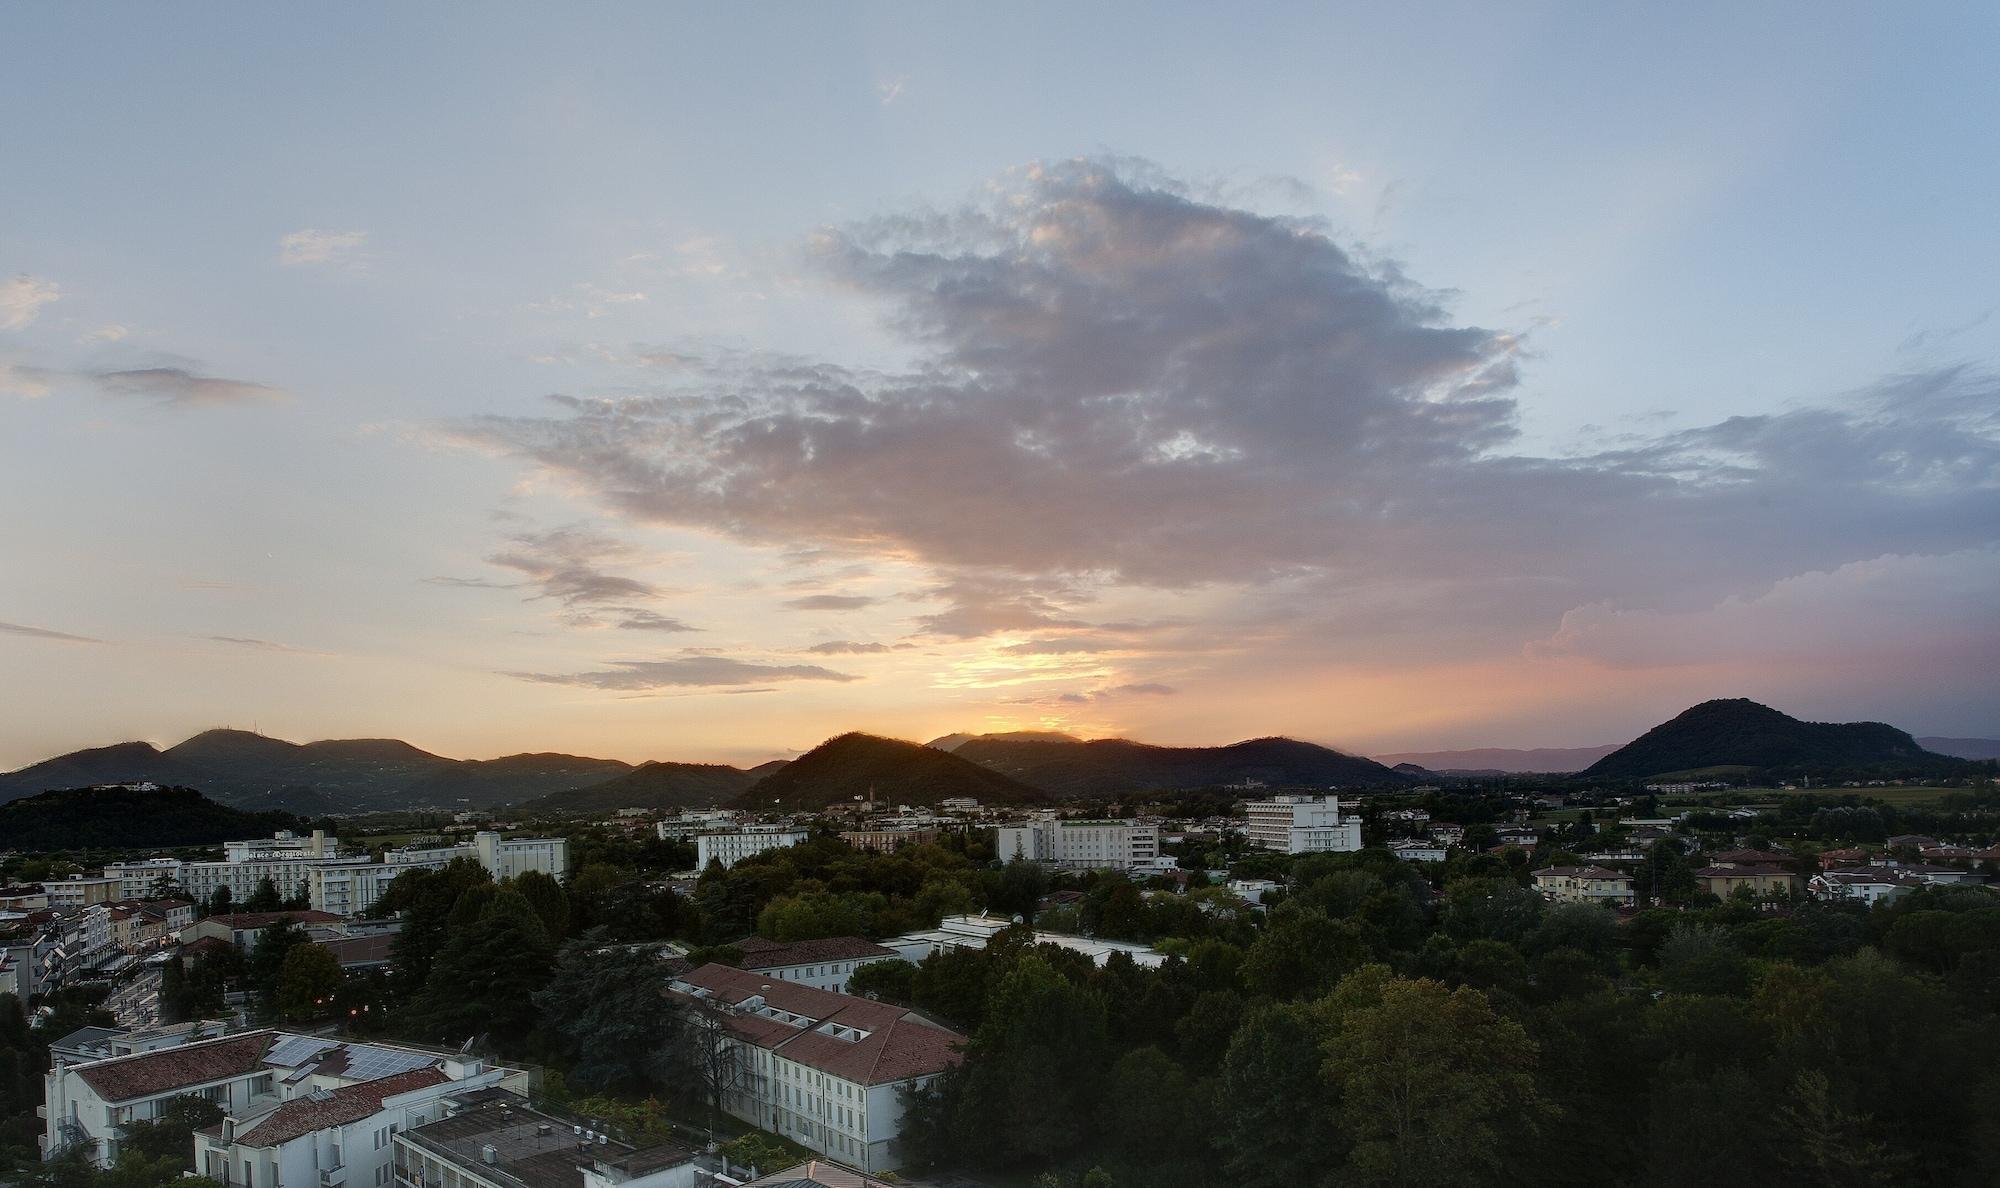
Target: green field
(1908, 796)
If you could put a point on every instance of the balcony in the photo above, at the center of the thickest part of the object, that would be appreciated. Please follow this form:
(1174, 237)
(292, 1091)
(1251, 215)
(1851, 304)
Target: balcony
(332, 1177)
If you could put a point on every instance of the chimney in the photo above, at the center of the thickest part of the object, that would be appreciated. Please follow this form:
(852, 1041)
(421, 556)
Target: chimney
(228, 1130)
(489, 1154)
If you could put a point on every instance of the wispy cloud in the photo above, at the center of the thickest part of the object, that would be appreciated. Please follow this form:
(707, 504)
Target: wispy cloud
(889, 90)
(179, 387)
(682, 671)
(22, 298)
(45, 633)
(842, 647)
(830, 602)
(314, 246)
(261, 645)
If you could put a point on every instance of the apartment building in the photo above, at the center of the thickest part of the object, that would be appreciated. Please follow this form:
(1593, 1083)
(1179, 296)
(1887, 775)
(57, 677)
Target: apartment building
(1585, 884)
(491, 1138)
(888, 841)
(825, 1070)
(80, 891)
(1083, 845)
(736, 845)
(1301, 825)
(314, 867)
(275, 1088)
(824, 964)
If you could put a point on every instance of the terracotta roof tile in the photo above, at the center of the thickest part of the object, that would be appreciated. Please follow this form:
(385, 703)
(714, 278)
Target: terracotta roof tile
(336, 1107)
(149, 1074)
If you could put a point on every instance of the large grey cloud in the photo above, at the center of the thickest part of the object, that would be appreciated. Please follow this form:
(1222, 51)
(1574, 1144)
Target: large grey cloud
(1121, 384)
(180, 387)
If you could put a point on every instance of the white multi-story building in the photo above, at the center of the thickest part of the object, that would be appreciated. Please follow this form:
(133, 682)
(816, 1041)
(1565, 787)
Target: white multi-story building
(79, 891)
(314, 866)
(1118, 845)
(733, 847)
(1302, 825)
(295, 1107)
(825, 1070)
(1585, 884)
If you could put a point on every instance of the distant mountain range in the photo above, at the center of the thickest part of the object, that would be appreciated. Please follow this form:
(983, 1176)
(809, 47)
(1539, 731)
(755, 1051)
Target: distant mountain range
(246, 770)
(254, 772)
(1068, 767)
(1492, 760)
(1962, 748)
(1740, 733)
(656, 786)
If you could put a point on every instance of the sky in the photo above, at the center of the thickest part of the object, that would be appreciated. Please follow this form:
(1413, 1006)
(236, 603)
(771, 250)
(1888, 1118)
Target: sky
(652, 381)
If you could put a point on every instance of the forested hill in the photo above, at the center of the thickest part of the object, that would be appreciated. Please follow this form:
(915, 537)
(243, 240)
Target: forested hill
(1109, 767)
(894, 771)
(651, 786)
(1738, 732)
(128, 817)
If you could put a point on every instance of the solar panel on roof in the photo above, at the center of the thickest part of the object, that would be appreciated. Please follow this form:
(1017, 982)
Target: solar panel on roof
(294, 1050)
(368, 1063)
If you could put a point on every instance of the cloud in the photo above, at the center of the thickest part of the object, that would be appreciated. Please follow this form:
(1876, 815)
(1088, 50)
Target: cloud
(179, 387)
(109, 332)
(262, 645)
(314, 246)
(1121, 386)
(640, 619)
(842, 647)
(19, 379)
(565, 564)
(892, 89)
(699, 670)
(22, 298)
(1143, 689)
(463, 583)
(830, 602)
(45, 633)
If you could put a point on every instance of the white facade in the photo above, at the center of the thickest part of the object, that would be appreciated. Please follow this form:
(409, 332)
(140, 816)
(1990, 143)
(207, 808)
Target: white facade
(1092, 845)
(1302, 825)
(1418, 851)
(822, 1069)
(974, 932)
(250, 1076)
(734, 847)
(314, 867)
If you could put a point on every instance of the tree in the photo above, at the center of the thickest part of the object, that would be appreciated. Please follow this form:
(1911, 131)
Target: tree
(548, 899)
(891, 979)
(265, 898)
(1434, 1086)
(485, 979)
(603, 1004)
(218, 902)
(1301, 953)
(307, 982)
(274, 944)
(707, 1055)
(1274, 1110)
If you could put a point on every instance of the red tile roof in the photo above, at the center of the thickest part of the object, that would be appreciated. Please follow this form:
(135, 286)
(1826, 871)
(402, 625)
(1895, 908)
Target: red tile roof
(759, 953)
(899, 1044)
(258, 920)
(335, 1107)
(150, 1074)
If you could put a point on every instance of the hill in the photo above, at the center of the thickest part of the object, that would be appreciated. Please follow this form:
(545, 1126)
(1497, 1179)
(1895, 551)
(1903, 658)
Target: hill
(951, 742)
(651, 786)
(1738, 732)
(253, 771)
(1108, 767)
(852, 766)
(514, 778)
(120, 763)
(1485, 760)
(128, 817)
(1962, 748)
